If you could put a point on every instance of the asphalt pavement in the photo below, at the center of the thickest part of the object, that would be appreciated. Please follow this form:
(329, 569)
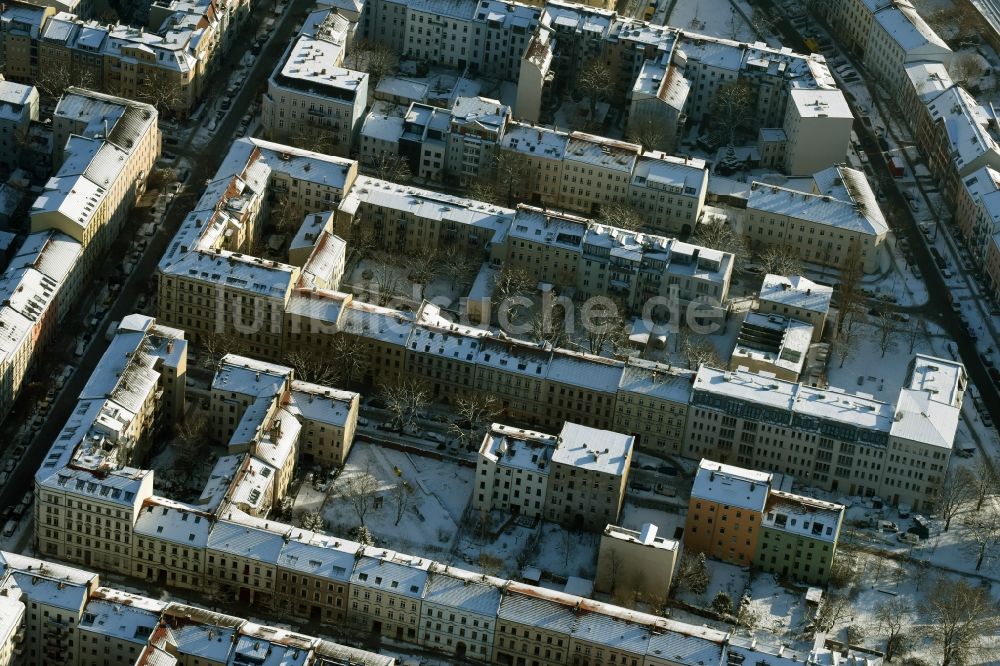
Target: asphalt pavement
(204, 163)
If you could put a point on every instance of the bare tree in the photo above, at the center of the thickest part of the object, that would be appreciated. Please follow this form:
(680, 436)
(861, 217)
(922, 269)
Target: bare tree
(458, 269)
(833, 610)
(405, 400)
(363, 243)
(316, 135)
(699, 351)
(491, 565)
(55, 78)
(284, 214)
(850, 299)
(965, 67)
(510, 282)
(748, 615)
(649, 131)
(594, 82)
(549, 327)
(376, 58)
(717, 233)
(424, 267)
(385, 275)
(606, 328)
(733, 24)
(622, 216)
(402, 495)
(781, 260)
(349, 357)
(511, 175)
(393, 168)
(476, 413)
(732, 109)
(487, 190)
(192, 434)
(891, 617)
(360, 490)
(217, 345)
(885, 328)
(983, 533)
(982, 482)
(955, 491)
(845, 342)
(312, 368)
(961, 617)
(164, 91)
(615, 563)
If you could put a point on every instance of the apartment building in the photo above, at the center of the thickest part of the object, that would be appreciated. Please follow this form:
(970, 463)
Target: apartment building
(635, 564)
(170, 543)
(888, 34)
(724, 512)
(540, 152)
(669, 191)
(105, 148)
(652, 405)
(329, 418)
(798, 537)
(477, 123)
(927, 80)
(311, 98)
(405, 219)
(588, 477)
(817, 127)
(241, 560)
(596, 171)
(166, 66)
(314, 575)
(838, 218)
(240, 385)
(18, 108)
(71, 620)
(512, 471)
(386, 592)
(798, 298)
(12, 621)
(772, 343)
(459, 612)
(54, 597)
(656, 102)
(958, 140)
(836, 439)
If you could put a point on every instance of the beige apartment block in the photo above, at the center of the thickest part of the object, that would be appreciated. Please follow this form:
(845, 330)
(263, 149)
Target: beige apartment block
(588, 478)
(18, 108)
(241, 561)
(386, 591)
(596, 171)
(329, 418)
(12, 625)
(459, 612)
(839, 217)
(817, 127)
(652, 405)
(540, 152)
(635, 565)
(170, 539)
(512, 471)
(314, 575)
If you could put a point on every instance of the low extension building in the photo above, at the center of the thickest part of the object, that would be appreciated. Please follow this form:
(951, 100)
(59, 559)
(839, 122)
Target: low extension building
(798, 298)
(635, 565)
(798, 537)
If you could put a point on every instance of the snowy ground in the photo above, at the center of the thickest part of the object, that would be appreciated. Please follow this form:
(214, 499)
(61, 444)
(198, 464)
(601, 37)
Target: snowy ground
(361, 279)
(711, 17)
(437, 495)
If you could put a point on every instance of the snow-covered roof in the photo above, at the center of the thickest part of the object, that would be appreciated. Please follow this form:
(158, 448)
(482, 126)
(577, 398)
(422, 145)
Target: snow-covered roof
(249, 376)
(796, 291)
(593, 449)
(321, 404)
(245, 541)
(803, 516)
(456, 588)
(508, 446)
(928, 79)
(309, 68)
(780, 341)
(482, 113)
(601, 151)
(220, 479)
(966, 125)
(730, 485)
(119, 621)
(535, 140)
(944, 379)
(169, 520)
(596, 373)
(820, 103)
(656, 380)
(908, 29)
(679, 175)
(318, 555)
(382, 127)
(391, 572)
(15, 99)
(816, 208)
(646, 537)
